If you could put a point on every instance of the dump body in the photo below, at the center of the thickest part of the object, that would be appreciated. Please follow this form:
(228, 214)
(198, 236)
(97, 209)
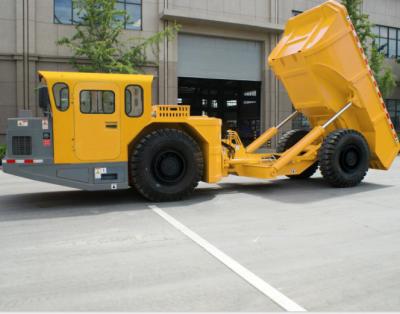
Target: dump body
(322, 65)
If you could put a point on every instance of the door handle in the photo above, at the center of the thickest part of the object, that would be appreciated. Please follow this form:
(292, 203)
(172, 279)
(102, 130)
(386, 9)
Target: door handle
(112, 125)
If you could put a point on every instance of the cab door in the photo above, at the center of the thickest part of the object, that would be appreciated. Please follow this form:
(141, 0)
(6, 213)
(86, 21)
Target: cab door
(97, 122)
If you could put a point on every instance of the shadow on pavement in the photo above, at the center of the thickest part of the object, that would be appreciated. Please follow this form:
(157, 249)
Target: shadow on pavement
(66, 204)
(299, 191)
(69, 203)
(81, 203)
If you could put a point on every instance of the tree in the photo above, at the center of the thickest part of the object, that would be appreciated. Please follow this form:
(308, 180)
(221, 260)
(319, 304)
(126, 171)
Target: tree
(383, 74)
(99, 27)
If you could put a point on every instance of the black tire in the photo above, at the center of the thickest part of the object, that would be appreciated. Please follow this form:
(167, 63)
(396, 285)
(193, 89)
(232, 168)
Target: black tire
(288, 140)
(344, 158)
(166, 165)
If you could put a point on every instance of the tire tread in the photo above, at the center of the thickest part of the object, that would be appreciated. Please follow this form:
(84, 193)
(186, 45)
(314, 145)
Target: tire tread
(327, 165)
(136, 175)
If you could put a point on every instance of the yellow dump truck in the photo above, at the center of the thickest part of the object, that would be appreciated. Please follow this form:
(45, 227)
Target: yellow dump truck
(101, 131)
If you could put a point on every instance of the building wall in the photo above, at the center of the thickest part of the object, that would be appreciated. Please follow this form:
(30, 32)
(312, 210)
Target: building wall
(257, 20)
(384, 12)
(252, 20)
(260, 20)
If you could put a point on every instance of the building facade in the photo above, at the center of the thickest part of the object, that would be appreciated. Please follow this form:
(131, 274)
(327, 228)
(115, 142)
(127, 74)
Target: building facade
(217, 64)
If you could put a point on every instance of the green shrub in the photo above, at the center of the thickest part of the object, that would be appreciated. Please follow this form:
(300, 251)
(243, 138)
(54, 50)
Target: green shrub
(2, 151)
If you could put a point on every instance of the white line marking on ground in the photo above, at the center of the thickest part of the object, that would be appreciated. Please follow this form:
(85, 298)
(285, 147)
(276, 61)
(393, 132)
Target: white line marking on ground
(240, 270)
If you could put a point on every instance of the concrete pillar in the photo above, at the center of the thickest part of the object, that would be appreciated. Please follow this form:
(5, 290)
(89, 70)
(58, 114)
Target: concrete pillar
(25, 47)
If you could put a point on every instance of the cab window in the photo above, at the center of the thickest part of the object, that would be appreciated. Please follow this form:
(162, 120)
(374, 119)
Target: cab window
(134, 101)
(97, 102)
(61, 96)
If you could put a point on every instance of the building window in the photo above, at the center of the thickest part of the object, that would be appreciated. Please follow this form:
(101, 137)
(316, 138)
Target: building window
(133, 9)
(236, 103)
(393, 106)
(388, 40)
(63, 11)
(66, 13)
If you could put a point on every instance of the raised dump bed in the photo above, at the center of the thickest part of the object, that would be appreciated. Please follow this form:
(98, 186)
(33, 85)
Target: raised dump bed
(322, 65)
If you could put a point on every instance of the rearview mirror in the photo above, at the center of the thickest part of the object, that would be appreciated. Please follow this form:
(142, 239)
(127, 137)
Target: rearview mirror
(44, 100)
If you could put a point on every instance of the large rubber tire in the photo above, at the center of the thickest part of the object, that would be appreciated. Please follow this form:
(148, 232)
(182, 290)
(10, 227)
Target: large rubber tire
(288, 140)
(344, 158)
(166, 165)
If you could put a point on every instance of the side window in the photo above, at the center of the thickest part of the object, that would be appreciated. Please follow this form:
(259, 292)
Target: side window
(85, 101)
(97, 102)
(61, 96)
(108, 100)
(134, 101)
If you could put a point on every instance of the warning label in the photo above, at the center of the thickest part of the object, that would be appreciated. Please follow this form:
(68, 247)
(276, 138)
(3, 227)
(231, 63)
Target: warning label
(45, 124)
(22, 123)
(98, 172)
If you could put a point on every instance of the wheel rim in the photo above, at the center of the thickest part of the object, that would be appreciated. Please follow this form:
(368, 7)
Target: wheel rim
(169, 167)
(350, 158)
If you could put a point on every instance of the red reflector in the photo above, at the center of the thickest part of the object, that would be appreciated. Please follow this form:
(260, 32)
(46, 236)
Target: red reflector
(46, 142)
(11, 161)
(28, 161)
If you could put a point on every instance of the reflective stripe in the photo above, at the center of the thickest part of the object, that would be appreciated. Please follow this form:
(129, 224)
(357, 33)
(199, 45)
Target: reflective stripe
(389, 120)
(22, 161)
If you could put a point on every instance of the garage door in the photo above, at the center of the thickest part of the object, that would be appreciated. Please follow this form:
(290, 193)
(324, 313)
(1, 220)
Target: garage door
(219, 58)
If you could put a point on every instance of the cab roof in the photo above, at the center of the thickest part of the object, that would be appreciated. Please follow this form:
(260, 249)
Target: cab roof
(96, 77)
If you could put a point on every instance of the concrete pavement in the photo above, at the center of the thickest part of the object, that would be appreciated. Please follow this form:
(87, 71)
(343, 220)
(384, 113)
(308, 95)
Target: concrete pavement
(326, 249)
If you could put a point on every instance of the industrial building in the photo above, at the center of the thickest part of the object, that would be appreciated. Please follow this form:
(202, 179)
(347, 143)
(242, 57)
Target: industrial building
(217, 64)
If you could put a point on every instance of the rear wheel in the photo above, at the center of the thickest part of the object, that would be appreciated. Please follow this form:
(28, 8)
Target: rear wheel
(166, 165)
(287, 141)
(344, 158)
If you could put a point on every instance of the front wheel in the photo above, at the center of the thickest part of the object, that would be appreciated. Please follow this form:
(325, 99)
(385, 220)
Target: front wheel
(344, 158)
(166, 165)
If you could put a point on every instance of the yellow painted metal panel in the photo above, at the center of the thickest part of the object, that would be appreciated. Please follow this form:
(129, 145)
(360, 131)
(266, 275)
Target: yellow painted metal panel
(321, 63)
(97, 135)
